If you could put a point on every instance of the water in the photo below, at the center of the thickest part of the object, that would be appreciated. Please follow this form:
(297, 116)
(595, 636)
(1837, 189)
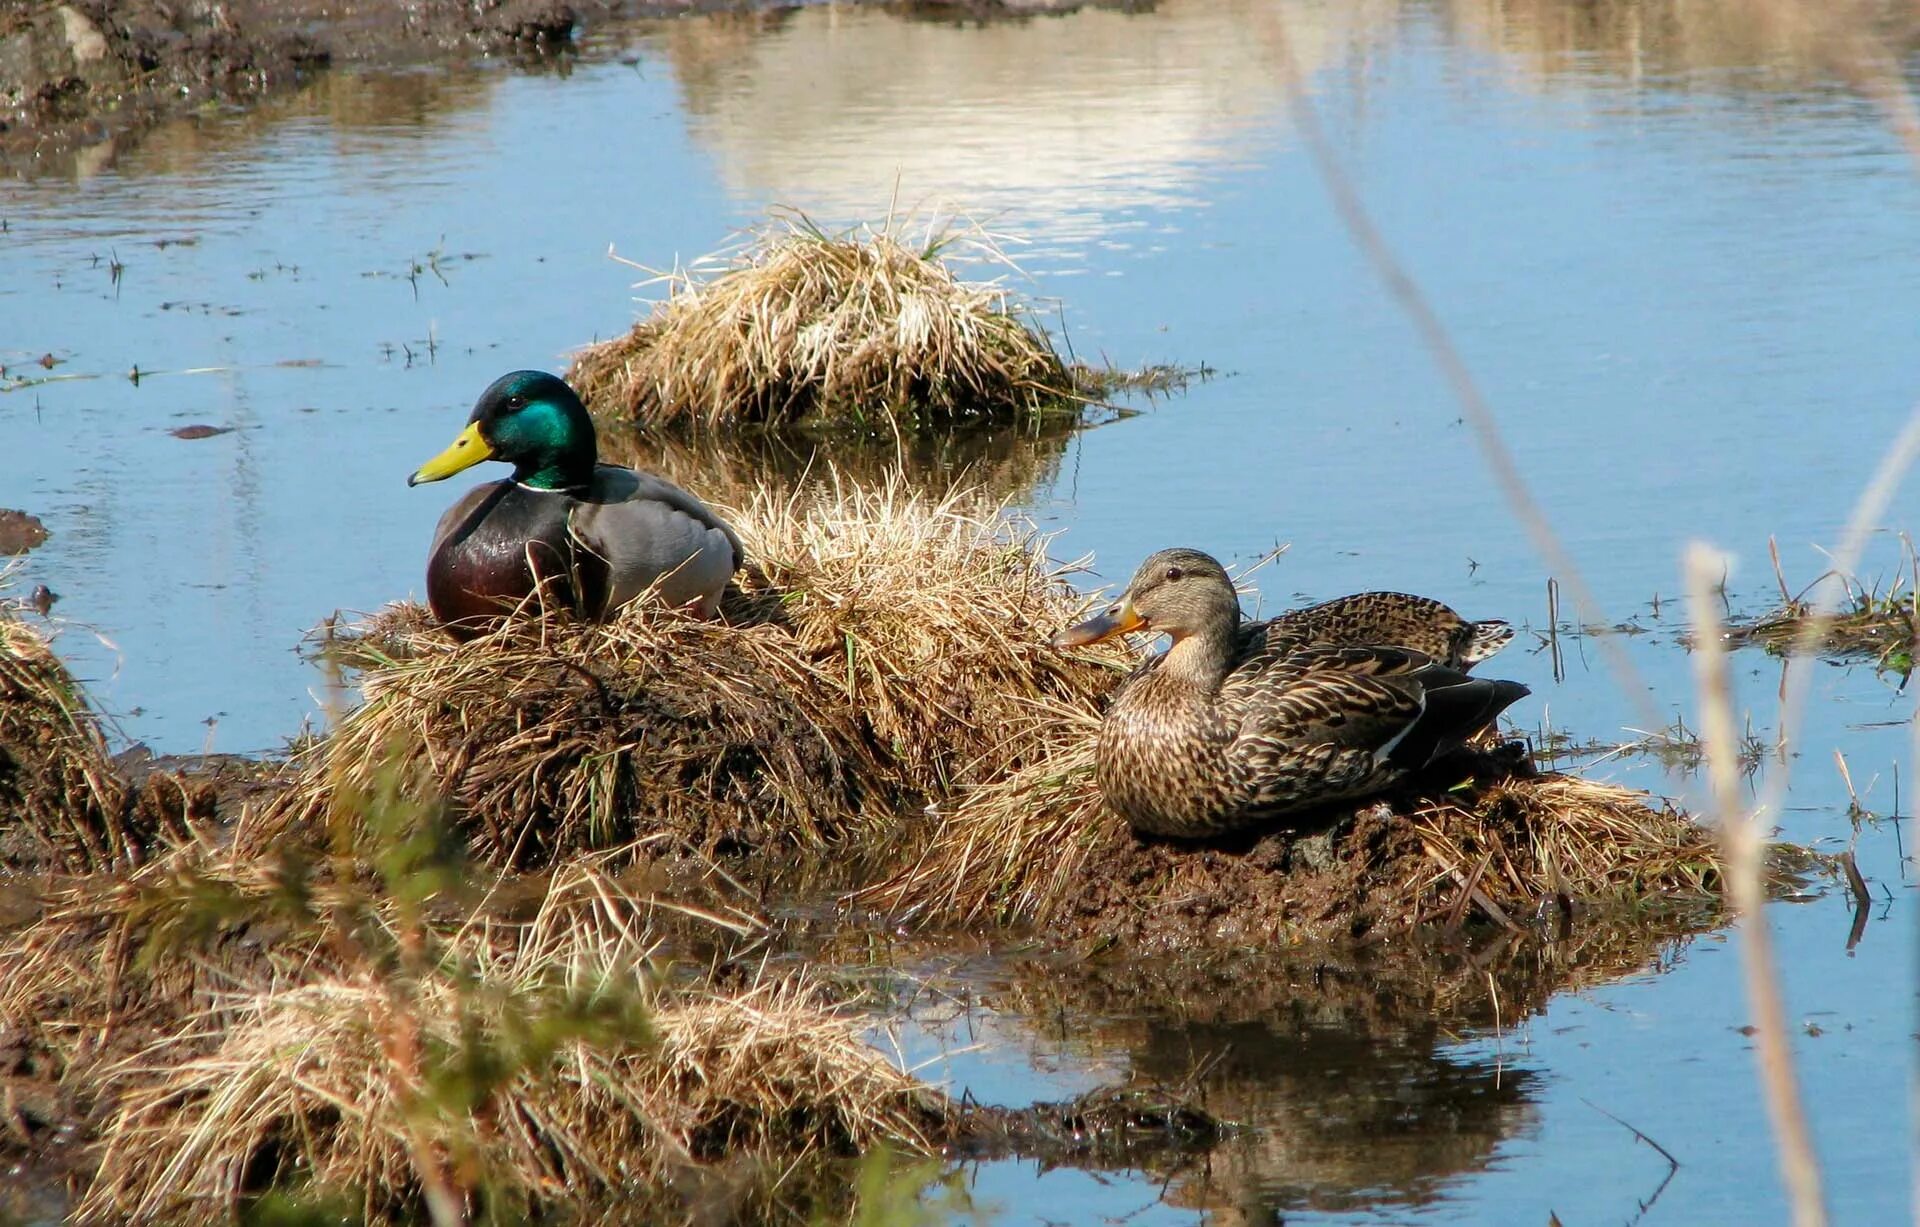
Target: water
(1676, 253)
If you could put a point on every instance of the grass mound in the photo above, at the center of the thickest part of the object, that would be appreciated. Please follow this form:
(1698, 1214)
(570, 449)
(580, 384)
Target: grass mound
(799, 326)
(302, 1087)
(61, 800)
(888, 647)
(431, 1045)
(1039, 847)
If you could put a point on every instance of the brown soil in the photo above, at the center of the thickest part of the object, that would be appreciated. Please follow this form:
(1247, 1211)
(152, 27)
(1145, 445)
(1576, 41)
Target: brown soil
(19, 531)
(1338, 883)
(79, 73)
(75, 74)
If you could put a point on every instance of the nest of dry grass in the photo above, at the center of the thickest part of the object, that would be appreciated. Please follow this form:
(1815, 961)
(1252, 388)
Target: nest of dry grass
(889, 647)
(861, 329)
(1039, 847)
(62, 800)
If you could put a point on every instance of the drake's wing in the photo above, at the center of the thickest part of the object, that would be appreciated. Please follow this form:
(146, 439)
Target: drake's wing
(647, 530)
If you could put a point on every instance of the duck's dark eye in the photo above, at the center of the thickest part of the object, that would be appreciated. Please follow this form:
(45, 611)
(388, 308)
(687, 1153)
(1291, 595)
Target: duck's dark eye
(1174, 573)
(516, 401)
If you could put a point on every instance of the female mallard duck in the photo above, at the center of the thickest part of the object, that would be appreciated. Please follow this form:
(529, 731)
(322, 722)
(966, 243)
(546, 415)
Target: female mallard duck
(1236, 723)
(593, 536)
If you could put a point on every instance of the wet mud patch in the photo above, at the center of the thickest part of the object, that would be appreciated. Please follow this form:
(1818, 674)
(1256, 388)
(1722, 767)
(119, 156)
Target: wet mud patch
(20, 531)
(85, 72)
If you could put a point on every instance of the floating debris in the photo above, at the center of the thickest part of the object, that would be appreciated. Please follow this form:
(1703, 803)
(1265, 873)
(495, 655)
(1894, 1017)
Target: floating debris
(199, 430)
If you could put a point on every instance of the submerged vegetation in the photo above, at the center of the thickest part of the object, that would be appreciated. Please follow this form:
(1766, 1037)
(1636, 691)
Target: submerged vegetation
(865, 329)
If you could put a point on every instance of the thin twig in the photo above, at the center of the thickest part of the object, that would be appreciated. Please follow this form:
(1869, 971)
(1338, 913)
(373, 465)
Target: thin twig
(1740, 840)
(1446, 355)
(1673, 1164)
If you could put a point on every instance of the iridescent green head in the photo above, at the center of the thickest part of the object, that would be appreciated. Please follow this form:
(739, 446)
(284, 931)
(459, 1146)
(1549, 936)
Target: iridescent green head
(531, 420)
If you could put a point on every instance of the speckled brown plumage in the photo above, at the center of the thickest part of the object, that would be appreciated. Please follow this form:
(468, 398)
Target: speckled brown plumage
(1397, 618)
(1241, 722)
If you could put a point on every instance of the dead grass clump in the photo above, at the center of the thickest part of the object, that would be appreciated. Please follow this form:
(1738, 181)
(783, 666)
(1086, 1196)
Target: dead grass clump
(62, 802)
(548, 737)
(1873, 626)
(481, 1082)
(799, 326)
(1039, 847)
(81, 981)
(887, 646)
(300, 1089)
(929, 618)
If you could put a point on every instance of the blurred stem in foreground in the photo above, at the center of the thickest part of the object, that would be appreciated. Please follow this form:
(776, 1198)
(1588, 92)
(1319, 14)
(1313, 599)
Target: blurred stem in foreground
(1746, 889)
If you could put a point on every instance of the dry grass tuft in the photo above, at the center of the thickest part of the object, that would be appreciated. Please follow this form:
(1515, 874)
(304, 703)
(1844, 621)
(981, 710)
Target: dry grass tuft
(65, 804)
(97, 970)
(309, 1083)
(1039, 847)
(799, 326)
(1869, 625)
(887, 647)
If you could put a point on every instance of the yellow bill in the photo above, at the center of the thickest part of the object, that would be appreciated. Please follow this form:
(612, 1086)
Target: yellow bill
(1116, 621)
(468, 450)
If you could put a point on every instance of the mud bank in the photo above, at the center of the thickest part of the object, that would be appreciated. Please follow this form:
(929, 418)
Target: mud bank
(80, 74)
(93, 73)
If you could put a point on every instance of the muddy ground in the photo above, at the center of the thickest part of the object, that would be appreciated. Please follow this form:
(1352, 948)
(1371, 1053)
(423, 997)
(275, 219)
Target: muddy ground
(83, 73)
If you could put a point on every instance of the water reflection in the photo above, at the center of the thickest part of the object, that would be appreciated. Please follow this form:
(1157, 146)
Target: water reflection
(1083, 118)
(362, 112)
(1767, 45)
(1370, 1079)
(1004, 464)
(1080, 118)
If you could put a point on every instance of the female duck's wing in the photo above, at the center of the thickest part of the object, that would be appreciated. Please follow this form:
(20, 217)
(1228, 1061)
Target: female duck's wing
(648, 530)
(1399, 619)
(1327, 722)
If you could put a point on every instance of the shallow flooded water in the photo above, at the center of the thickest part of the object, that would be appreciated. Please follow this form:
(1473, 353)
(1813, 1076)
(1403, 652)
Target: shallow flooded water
(1676, 251)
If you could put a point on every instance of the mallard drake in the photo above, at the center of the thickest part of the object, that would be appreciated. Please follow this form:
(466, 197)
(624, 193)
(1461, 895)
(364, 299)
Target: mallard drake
(1239, 722)
(593, 535)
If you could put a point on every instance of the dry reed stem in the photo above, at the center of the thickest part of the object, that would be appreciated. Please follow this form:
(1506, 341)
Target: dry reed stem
(886, 647)
(1453, 368)
(798, 325)
(1741, 839)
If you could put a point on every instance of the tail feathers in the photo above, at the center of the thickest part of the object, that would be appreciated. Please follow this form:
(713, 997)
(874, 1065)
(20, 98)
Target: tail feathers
(1488, 637)
(1451, 715)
